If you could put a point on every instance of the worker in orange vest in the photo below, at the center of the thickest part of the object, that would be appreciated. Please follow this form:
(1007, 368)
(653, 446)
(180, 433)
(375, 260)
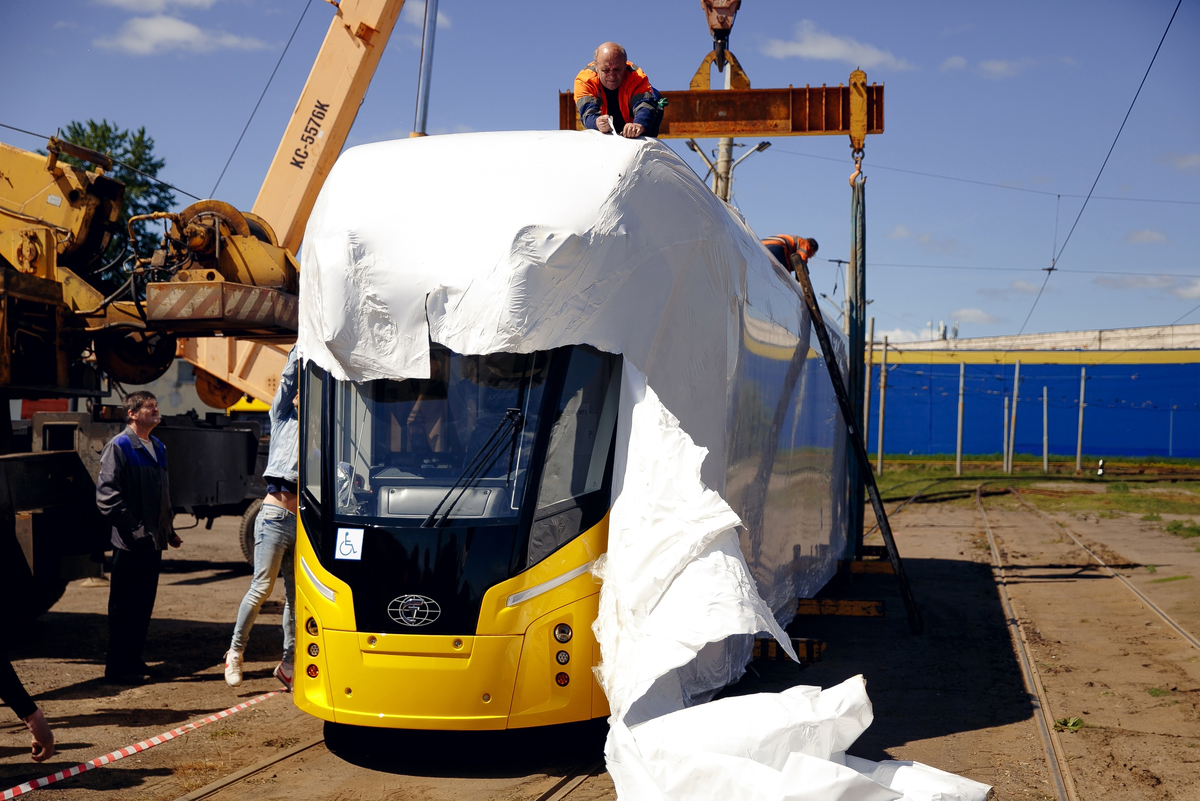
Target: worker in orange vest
(613, 95)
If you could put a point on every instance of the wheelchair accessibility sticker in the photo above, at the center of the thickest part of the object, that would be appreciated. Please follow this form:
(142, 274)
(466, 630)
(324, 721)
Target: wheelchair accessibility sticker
(349, 544)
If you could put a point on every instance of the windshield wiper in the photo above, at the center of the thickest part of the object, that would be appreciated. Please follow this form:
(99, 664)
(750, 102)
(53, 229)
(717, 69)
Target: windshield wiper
(481, 461)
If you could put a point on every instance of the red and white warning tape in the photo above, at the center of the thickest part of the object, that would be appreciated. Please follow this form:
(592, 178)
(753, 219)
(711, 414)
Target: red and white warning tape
(129, 750)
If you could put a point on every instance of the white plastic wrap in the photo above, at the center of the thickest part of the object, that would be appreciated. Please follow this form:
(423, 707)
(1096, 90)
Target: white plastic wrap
(524, 242)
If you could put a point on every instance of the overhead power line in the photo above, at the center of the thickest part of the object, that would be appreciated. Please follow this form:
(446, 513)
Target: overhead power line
(114, 161)
(1010, 187)
(1054, 260)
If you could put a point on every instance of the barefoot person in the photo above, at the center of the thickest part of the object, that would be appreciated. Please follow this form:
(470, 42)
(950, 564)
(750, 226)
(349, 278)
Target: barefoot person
(274, 533)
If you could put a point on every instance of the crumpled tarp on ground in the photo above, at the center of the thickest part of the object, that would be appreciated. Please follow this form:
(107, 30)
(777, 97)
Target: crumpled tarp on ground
(528, 241)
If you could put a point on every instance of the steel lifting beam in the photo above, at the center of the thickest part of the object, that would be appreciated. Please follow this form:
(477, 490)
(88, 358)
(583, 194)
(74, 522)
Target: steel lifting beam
(807, 111)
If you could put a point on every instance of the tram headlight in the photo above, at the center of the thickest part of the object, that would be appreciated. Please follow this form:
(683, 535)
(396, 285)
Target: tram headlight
(310, 626)
(562, 633)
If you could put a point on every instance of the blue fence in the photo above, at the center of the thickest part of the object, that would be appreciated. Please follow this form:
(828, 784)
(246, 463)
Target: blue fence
(1131, 409)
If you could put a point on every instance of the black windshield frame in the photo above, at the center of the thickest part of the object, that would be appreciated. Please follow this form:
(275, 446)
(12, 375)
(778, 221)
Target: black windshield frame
(320, 522)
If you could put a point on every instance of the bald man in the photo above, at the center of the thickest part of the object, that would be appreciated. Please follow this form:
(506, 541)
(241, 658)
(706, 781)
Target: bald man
(612, 88)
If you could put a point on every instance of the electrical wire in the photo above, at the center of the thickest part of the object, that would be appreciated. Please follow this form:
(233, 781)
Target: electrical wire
(1015, 269)
(260, 99)
(1107, 156)
(114, 161)
(957, 179)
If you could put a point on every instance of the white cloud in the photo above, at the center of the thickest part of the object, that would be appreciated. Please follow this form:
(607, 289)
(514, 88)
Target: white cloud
(811, 43)
(941, 246)
(1000, 68)
(976, 316)
(1136, 282)
(1189, 291)
(899, 232)
(1184, 162)
(895, 335)
(953, 63)
(414, 14)
(1006, 293)
(1146, 236)
(156, 6)
(144, 36)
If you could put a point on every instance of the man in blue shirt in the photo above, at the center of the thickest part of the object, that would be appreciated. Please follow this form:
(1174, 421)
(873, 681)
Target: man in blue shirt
(132, 495)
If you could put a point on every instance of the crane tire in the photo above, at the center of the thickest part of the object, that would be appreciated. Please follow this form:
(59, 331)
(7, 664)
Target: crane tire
(246, 530)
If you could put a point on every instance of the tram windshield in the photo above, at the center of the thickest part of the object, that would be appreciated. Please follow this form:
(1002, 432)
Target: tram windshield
(463, 444)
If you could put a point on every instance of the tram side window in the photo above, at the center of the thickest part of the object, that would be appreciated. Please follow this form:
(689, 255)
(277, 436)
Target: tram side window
(578, 451)
(312, 431)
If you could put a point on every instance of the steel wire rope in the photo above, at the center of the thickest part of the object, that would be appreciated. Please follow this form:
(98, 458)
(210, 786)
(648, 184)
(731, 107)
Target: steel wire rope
(246, 127)
(114, 161)
(995, 185)
(1100, 172)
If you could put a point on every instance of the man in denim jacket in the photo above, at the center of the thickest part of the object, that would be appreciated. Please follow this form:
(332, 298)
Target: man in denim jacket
(274, 532)
(132, 496)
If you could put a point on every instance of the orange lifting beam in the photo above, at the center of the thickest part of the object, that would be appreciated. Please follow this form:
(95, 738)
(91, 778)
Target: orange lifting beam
(807, 111)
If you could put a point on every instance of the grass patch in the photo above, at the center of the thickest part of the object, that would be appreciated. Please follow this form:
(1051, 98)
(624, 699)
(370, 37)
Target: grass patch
(194, 775)
(1186, 530)
(1151, 568)
(1169, 578)
(1069, 724)
(281, 742)
(1153, 517)
(223, 734)
(1157, 692)
(1118, 487)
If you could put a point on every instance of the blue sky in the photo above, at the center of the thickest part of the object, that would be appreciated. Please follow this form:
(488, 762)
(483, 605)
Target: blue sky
(1025, 95)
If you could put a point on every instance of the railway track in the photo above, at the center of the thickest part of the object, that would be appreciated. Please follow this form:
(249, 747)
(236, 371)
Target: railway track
(574, 779)
(1056, 760)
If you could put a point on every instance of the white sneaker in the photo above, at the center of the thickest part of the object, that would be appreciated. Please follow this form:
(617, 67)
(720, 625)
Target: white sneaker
(233, 668)
(284, 673)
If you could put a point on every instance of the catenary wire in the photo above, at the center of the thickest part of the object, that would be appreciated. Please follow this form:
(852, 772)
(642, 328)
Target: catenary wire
(1100, 172)
(246, 127)
(990, 183)
(123, 164)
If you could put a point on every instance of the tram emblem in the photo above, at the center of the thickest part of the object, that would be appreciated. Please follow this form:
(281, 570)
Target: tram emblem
(414, 610)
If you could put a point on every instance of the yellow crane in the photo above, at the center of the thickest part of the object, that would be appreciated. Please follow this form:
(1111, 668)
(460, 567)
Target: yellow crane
(312, 140)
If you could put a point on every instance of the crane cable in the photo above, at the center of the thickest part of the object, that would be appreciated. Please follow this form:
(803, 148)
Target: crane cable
(260, 99)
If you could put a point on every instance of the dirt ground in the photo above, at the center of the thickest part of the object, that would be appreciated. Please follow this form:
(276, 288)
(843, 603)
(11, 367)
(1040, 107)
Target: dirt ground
(952, 697)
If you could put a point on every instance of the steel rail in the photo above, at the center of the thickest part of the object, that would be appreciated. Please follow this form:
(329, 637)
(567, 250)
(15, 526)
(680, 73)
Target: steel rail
(247, 772)
(1180, 630)
(571, 782)
(1060, 775)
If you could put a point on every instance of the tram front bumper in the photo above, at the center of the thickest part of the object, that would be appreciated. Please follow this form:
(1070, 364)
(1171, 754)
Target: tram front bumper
(421, 682)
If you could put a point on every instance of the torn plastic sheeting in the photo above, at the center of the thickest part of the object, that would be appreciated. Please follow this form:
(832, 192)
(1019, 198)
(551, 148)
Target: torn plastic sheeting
(580, 238)
(523, 242)
(678, 608)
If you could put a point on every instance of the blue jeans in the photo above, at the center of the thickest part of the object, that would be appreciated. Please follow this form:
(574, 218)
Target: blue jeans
(274, 546)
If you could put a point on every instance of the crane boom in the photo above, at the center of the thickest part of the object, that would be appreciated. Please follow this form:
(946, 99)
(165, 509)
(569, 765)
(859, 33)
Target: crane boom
(322, 118)
(311, 143)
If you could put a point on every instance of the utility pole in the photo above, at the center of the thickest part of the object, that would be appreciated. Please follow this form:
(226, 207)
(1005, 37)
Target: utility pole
(426, 75)
(1079, 441)
(1045, 433)
(882, 403)
(962, 373)
(1012, 429)
(867, 383)
(1004, 447)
